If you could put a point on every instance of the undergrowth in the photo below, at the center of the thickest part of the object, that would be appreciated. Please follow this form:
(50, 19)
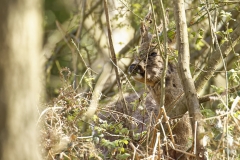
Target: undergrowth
(109, 135)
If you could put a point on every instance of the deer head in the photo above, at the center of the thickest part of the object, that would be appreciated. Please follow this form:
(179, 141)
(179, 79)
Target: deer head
(147, 67)
(144, 67)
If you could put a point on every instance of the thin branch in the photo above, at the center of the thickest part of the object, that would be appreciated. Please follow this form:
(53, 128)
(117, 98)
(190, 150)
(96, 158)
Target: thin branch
(213, 32)
(79, 32)
(51, 42)
(96, 94)
(130, 44)
(164, 137)
(211, 96)
(73, 51)
(126, 79)
(155, 146)
(184, 152)
(215, 59)
(92, 9)
(113, 56)
(85, 64)
(165, 59)
(130, 10)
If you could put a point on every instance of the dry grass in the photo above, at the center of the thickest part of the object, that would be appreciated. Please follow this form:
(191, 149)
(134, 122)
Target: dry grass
(113, 135)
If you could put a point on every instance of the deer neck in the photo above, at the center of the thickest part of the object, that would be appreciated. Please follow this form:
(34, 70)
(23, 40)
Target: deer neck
(173, 87)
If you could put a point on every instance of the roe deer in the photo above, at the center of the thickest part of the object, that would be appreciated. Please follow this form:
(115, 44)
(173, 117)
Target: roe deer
(147, 68)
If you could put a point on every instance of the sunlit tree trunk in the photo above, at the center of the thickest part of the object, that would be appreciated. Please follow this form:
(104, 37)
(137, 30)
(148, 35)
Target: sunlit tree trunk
(20, 70)
(187, 80)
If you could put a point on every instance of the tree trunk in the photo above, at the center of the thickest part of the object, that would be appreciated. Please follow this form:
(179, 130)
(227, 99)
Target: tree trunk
(186, 77)
(20, 70)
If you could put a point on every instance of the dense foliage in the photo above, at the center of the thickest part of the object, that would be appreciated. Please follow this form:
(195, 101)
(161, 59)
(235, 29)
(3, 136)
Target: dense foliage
(76, 50)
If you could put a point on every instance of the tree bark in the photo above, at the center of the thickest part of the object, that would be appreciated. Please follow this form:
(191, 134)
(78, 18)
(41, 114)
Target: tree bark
(20, 70)
(186, 77)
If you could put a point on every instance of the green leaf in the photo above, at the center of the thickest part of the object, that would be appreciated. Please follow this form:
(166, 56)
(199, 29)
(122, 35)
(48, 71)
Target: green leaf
(193, 34)
(123, 156)
(208, 112)
(217, 89)
(198, 40)
(124, 141)
(70, 118)
(230, 30)
(171, 34)
(121, 149)
(89, 80)
(108, 143)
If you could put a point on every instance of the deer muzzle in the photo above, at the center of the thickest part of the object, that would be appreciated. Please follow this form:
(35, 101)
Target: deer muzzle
(136, 71)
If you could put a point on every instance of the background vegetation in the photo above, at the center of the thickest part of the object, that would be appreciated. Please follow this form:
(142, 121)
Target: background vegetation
(76, 49)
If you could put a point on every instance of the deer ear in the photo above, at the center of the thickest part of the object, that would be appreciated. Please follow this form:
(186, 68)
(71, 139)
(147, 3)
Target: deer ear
(144, 32)
(146, 36)
(160, 27)
(148, 17)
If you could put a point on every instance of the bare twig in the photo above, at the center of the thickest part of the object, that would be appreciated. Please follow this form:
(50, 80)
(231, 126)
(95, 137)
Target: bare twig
(56, 37)
(124, 115)
(131, 43)
(79, 32)
(136, 150)
(189, 154)
(63, 32)
(168, 125)
(113, 56)
(165, 59)
(215, 59)
(97, 91)
(80, 54)
(129, 9)
(164, 136)
(155, 146)
(208, 97)
(164, 55)
(213, 32)
(223, 62)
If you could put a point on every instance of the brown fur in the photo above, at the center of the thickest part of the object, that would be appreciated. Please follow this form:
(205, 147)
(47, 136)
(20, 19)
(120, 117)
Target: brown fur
(147, 68)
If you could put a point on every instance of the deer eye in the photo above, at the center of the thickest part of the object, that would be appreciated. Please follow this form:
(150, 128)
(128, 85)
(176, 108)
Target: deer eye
(153, 54)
